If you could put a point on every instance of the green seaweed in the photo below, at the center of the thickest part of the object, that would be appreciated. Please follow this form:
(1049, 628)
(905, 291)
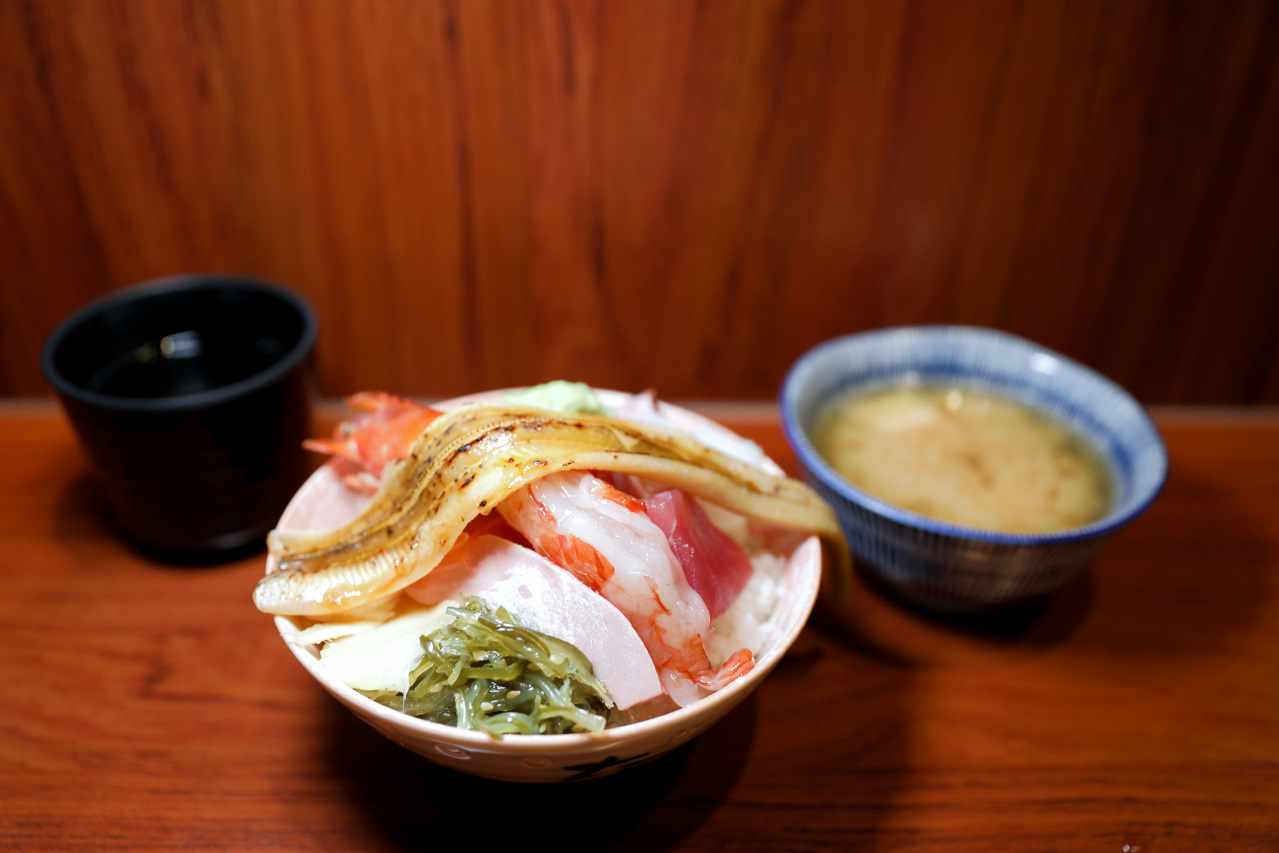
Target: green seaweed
(485, 671)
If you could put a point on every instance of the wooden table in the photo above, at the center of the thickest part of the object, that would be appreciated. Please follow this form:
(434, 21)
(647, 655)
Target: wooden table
(147, 706)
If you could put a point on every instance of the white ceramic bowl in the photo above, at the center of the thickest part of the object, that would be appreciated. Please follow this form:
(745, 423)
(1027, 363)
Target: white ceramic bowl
(947, 566)
(556, 758)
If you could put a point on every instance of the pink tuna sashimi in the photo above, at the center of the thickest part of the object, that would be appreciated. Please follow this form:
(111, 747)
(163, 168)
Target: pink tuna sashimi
(548, 599)
(714, 565)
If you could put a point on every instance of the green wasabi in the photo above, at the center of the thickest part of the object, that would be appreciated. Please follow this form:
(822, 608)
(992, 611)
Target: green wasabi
(561, 396)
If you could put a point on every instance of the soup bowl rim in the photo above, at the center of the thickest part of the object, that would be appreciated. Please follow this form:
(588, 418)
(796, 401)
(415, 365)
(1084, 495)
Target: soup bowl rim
(1116, 517)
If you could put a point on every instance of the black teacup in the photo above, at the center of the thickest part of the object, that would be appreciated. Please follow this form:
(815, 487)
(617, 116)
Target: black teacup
(191, 397)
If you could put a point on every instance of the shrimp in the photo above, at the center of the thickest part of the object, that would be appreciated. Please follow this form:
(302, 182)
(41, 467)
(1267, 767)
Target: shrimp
(364, 445)
(606, 539)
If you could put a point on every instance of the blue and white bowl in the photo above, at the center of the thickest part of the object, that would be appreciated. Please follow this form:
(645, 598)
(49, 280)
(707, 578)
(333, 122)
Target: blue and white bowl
(947, 566)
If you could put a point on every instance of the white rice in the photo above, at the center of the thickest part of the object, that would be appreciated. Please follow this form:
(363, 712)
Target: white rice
(749, 622)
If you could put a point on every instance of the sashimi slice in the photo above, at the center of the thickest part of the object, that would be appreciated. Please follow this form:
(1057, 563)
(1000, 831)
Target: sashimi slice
(715, 566)
(324, 502)
(550, 600)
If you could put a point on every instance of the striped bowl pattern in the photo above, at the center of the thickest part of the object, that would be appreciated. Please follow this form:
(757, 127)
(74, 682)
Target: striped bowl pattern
(946, 566)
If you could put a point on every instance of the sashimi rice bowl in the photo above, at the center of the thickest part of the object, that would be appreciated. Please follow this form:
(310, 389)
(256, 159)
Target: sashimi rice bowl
(543, 584)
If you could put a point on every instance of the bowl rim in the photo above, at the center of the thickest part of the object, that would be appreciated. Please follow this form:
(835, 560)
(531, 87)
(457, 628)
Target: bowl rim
(157, 288)
(817, 467)
(807, 581)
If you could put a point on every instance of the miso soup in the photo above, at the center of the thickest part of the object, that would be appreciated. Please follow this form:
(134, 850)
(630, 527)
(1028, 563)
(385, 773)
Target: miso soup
(965, 457)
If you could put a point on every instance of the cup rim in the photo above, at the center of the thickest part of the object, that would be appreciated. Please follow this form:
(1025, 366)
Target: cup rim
(177, 284)
(819, 469)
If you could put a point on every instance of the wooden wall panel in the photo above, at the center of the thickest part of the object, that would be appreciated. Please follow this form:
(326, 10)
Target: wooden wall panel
(676, 194)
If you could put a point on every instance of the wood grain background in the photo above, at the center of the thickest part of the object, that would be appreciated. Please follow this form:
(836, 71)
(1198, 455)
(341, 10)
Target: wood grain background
(676, 194)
